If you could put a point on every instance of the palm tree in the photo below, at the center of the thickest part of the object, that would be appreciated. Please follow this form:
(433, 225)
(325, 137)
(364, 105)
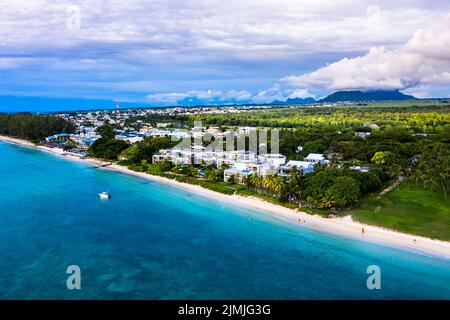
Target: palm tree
(268, 183)
(394, 171)
(192, 171)
(327, 201)
(211, 173)
(417, 176)
(432, 181)
(278, 186)
(256, 181)
(295, 173)
(334, 163)
(232, 179)
(443, 178)
(293, 188)
(319, 167)
(297, 192)
(314, 201)
(247, 180)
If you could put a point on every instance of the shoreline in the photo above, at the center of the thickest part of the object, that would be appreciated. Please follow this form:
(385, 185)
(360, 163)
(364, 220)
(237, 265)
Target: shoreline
(342, 226)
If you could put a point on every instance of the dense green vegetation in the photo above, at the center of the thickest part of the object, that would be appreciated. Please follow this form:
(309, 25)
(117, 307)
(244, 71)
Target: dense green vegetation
(422, 119)
(107, 147)
(33, 127)
(144, 150)
(431, 170)
(340, 187)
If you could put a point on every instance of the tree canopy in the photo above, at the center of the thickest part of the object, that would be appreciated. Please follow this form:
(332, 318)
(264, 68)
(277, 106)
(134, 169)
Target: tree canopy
(106, 131)
(33, 127)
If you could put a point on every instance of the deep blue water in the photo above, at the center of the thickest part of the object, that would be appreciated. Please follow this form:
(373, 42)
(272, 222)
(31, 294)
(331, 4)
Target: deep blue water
(151, 241)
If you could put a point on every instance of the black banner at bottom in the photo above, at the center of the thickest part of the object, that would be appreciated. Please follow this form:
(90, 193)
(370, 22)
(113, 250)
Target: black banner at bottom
(227, 309)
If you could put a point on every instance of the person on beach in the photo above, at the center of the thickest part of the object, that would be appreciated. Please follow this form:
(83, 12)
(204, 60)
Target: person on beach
(362, 230)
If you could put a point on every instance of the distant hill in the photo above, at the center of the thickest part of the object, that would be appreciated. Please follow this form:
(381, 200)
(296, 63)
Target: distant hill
(355, 96)
(295, 101)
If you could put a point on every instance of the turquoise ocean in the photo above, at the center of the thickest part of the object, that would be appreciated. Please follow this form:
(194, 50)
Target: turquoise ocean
(152, 241)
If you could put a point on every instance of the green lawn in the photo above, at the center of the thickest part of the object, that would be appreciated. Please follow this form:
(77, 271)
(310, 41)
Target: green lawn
(426, 213)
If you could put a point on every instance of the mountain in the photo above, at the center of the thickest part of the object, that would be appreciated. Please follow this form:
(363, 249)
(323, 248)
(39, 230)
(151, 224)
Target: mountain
(377, 95)
(295, 101)
(44, 104)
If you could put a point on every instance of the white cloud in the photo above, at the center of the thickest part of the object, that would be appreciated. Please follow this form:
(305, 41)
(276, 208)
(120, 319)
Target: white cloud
(178, 46)
(216, 96)
(300, 93)
(424, 59)
(172, 97)
(238, 95)
(276, 92)
(204, 95)
(420, 92)
(209, 96)
(269, 95)
(282, 28)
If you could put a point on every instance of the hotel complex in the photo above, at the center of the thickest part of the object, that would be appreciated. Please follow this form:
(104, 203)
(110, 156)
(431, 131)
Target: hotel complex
(238, 163)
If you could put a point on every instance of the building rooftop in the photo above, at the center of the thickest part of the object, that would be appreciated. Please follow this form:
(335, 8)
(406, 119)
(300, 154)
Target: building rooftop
(241, 171)
(298, 164)
(317, 156)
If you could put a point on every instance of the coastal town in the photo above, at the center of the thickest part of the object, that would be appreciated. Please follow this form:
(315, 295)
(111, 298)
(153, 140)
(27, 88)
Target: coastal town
(192, 148)
(225, 148)
(239, 163)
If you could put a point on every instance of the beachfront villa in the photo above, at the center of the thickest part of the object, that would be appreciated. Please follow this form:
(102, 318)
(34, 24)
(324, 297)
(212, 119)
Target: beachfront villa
(306, 166)
(270, 164)
(303, 166)
(315, 158)
(60, 137)
(84, 140)
(130, 137)
(176, 134)
(238, 174)
(239, 162)
(178, 156)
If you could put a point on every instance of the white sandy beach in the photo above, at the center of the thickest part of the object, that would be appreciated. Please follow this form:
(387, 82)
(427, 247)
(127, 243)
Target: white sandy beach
(341, 226)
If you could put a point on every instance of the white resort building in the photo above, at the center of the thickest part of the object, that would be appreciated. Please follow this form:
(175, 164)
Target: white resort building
(240, 163)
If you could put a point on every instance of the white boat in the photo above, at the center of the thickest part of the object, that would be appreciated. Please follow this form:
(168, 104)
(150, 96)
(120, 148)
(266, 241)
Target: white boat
(104, 195)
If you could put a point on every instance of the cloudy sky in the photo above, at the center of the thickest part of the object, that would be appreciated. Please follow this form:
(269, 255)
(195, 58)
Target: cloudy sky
(172, 51)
